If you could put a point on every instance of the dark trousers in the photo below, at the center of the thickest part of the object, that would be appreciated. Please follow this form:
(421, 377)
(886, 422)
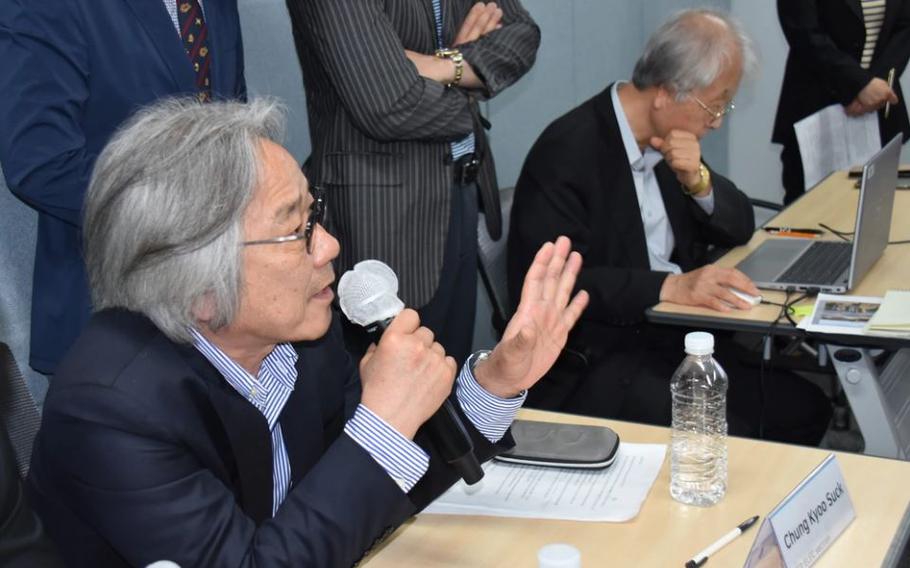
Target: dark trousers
(634, 384)
(792, 172)
(450, 312)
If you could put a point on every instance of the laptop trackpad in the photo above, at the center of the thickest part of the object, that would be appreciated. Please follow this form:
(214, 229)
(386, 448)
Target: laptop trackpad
(772, 258)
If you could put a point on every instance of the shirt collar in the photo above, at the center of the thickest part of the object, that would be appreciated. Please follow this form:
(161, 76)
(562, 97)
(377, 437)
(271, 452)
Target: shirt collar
(637, 161)
(279, 364)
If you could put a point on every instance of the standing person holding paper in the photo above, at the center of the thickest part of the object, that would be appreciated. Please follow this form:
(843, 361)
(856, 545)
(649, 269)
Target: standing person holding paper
(841, 51)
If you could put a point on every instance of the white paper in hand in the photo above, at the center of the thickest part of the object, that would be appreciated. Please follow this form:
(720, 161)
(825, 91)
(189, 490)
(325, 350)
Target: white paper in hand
(368, 293)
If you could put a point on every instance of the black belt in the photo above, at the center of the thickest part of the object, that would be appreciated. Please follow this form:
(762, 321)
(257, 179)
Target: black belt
(465, 169)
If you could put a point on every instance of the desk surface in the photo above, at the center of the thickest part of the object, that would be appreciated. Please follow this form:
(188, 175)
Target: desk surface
(832, 202)
(667, 533)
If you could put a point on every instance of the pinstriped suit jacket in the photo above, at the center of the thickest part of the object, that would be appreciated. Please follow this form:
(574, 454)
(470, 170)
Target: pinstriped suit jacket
(381, 133)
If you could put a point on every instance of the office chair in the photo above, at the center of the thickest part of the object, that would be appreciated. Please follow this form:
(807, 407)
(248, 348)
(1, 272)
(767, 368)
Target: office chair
(491, 256)
(18, 411)
(492, 260)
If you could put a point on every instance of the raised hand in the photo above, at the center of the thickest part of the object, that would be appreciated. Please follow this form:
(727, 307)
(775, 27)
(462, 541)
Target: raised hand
(407, 376)
(538, 331)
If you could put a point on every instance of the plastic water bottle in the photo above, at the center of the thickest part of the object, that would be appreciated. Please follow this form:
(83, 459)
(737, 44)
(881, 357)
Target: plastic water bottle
(698, 455)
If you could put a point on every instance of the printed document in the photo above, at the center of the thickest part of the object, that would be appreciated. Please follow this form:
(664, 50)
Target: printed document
(612, 494)
(841, 314)
(830, 140)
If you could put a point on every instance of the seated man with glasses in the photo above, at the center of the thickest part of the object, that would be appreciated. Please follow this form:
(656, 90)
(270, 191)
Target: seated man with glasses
(209, 414)
(622, 175)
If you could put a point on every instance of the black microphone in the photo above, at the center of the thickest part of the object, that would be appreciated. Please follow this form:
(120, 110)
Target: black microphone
(368, 295)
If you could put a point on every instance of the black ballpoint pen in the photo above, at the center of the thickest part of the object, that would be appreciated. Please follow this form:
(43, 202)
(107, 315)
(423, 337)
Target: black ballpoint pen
(723, 541)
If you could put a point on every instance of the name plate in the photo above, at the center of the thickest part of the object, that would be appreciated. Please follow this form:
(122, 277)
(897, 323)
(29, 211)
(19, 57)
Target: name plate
(806, 522)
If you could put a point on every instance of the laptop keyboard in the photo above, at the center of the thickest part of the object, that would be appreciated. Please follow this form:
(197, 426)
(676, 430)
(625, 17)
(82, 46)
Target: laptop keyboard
(822, 263)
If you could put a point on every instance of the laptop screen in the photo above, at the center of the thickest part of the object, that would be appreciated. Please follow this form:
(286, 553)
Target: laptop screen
(873, 215)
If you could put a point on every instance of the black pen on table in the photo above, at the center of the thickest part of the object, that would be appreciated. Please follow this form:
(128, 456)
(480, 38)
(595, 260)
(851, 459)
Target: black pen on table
(723, 541)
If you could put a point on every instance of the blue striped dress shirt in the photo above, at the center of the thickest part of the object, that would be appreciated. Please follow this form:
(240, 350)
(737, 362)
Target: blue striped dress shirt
(401, 458)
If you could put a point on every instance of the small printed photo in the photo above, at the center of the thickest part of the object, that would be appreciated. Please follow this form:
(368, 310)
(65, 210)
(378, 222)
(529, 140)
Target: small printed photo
(852, 314)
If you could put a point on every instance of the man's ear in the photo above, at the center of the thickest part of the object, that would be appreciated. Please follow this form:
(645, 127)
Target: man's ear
(204, 308)
(662, 98)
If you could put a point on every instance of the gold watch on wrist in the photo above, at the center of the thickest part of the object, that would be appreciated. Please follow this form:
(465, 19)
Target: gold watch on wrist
(457, 58)
(704, 182)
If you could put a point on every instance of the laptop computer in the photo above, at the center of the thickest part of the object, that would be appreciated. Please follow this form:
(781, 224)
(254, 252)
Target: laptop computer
(834, 267)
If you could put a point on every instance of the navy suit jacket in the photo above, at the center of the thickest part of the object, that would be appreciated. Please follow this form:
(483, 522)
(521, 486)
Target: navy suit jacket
(146, 453)
(73, 71)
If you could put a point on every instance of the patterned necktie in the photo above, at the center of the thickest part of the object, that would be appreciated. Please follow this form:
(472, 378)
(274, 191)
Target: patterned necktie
(196, 43)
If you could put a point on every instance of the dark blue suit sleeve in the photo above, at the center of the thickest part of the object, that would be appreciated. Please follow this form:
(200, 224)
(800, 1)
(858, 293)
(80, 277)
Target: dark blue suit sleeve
(42, 146)
(111, 462)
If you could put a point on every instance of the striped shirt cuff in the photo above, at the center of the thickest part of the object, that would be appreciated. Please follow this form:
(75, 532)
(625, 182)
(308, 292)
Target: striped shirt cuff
(402, 459)
(490, 414)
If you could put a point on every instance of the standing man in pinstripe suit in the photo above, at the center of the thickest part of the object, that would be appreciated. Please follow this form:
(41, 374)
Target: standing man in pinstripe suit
(391, 88)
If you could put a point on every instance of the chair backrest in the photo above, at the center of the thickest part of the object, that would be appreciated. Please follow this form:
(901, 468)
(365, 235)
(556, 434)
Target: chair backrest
(18, 411)
(491, 256)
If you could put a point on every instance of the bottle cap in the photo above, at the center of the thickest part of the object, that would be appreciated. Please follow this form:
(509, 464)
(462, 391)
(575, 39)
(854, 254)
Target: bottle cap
(558, 556)
(699, 343)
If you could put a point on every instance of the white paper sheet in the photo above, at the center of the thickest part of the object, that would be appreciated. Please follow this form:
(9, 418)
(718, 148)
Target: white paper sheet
(613, 494)
(894, 313)
(830, 140)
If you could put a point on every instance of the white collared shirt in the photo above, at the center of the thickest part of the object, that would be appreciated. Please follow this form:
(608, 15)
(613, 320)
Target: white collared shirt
(658, 232)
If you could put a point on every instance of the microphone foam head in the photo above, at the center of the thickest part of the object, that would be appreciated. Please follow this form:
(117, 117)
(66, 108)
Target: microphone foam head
(368, 293)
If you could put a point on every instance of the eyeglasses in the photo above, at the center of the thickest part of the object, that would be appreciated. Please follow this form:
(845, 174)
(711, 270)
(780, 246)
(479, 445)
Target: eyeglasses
(316, 217)
(715, 114)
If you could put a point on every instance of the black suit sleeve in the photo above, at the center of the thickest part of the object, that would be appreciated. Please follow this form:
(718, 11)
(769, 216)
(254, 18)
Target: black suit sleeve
(553, 197)
(732, 222)
(558, 194)
(815, 49)
(501, 57)
(896, 51)
(380, 88)
(23, 543)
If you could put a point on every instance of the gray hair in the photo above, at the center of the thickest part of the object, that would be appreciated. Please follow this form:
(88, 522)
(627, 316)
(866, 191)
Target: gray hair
(691, 50)
(164, 209)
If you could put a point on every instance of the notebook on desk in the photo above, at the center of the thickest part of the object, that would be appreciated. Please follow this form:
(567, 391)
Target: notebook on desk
(834, 267)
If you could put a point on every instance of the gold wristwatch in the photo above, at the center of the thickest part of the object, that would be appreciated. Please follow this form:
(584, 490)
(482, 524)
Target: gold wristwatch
(704, 182)
(457, 58)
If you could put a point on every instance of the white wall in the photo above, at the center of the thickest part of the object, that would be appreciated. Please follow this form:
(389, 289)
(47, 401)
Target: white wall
(754, 161)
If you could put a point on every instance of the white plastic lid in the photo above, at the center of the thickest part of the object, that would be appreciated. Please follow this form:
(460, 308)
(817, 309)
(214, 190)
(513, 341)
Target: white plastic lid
(558, 556)
(699, 343)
